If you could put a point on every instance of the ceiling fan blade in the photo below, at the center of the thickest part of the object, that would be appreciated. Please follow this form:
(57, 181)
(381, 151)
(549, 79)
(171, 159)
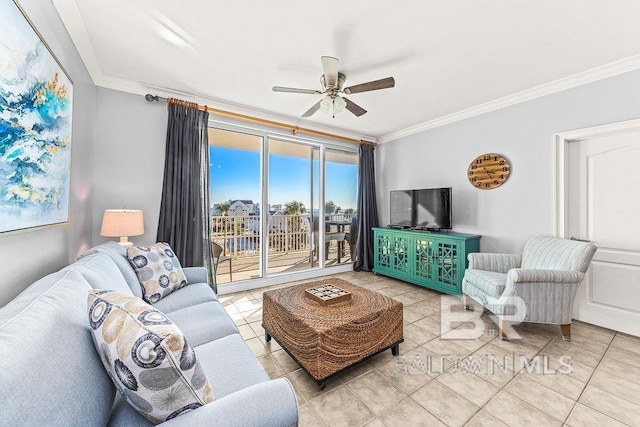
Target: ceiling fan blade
(330, 70)
(374, 85)
(312, 110)
(354, 108)
(295, 90)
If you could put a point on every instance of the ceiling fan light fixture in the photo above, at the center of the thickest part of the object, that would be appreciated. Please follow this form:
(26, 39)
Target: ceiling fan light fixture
(332, 104)
(339, 104)
(326, 104)
(332, 82)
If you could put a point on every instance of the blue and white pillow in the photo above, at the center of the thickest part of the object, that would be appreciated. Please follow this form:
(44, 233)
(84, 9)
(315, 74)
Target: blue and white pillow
(158, 269)
(148, 359)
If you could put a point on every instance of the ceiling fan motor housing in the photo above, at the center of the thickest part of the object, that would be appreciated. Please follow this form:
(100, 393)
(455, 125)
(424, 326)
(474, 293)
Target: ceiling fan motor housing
(335, 89)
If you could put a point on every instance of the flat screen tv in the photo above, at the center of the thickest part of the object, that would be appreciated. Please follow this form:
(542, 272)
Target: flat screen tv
(429, 208)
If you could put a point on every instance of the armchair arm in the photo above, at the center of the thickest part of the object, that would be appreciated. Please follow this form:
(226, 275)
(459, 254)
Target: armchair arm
(499, 263)
(517, 275)
(548, 295)
(271, 403)
(195, 274)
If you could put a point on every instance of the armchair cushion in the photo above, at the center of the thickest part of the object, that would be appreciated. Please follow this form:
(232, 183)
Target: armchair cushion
(489, 282)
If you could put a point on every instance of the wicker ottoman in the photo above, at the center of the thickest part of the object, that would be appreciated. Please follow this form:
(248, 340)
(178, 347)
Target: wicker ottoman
(324, 340)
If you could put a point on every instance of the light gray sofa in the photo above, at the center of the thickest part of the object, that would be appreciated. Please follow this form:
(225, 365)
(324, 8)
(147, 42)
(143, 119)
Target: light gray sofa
(52, 375)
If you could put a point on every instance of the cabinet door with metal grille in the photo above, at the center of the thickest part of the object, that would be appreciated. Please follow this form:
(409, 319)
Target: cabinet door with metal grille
(446, 253)
(424, 259)
(401, 263)
(382, 249)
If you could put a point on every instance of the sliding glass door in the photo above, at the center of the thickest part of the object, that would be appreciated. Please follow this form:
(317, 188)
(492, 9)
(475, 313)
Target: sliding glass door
(235, 194)
(341, 192)
(293, 200)
(269, 216)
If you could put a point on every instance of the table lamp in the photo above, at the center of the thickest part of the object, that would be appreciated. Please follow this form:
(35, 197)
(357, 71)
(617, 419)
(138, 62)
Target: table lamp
(122, 223)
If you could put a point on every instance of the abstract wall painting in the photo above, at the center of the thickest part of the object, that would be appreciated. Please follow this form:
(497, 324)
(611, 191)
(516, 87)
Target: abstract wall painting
(35, 127)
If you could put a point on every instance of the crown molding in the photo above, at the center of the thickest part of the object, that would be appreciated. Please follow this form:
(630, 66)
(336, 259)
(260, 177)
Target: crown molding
(599, 73)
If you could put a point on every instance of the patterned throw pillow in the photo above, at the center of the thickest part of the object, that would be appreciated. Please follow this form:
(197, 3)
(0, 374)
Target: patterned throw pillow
(148, 359)
(158, 270)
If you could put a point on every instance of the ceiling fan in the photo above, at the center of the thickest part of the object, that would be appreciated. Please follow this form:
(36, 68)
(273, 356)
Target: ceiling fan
(332, 87)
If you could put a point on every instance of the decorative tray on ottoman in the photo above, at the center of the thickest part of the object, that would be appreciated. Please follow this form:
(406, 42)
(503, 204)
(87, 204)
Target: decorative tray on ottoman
(328, 294)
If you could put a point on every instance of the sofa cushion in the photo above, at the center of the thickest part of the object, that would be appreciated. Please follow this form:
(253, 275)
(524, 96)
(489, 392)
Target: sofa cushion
(158, 270)
(101, 272)
(147, 357)
(489, 282)
(51, 373)
(118, 254)
(196, 274)
(188, 296)
(230, 365)
(202, 323)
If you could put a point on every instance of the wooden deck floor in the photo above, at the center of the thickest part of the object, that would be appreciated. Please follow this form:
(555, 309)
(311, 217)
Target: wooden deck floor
(248, 267)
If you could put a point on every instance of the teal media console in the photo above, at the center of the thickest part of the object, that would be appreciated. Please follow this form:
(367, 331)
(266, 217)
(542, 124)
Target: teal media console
(435, 260)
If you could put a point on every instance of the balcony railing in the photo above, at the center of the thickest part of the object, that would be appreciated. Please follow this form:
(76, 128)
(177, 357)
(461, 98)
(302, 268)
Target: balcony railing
(240, 235)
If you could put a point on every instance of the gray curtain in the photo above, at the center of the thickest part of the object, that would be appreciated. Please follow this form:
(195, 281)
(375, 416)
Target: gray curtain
(367, 209)
(184, 220)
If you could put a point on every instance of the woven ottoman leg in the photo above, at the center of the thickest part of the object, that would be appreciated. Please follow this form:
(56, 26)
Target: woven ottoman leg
(395, 350)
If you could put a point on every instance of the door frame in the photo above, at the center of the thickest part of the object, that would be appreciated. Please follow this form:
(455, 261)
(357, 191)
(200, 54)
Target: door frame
(561, 185)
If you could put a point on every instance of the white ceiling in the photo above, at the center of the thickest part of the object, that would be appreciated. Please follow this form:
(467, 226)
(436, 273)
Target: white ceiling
(450, 58)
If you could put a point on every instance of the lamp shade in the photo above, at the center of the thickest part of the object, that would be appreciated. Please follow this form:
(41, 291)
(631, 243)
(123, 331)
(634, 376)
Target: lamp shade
(122, 223)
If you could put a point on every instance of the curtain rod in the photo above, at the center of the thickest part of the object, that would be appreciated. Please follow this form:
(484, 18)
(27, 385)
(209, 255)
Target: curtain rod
(294, 129)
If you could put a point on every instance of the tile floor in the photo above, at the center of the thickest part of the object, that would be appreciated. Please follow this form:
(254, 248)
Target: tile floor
(594, 380)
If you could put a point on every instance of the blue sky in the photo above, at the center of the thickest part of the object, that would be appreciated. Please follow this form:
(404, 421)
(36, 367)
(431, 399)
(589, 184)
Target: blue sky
(235, 174)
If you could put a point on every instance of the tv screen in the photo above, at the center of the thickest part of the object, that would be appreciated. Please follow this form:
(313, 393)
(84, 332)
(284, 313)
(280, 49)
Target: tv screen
(429, 208)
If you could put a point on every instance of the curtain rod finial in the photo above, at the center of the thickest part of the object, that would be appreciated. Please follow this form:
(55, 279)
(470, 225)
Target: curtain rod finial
(151, 98)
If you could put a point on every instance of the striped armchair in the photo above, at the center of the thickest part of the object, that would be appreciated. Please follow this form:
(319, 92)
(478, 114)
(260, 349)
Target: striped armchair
(541, 283)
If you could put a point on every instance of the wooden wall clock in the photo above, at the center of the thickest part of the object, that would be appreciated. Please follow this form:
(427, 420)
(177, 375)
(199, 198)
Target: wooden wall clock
(488, 171)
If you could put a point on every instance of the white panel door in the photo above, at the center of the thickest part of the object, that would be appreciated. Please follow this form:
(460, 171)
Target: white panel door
(603, 198)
